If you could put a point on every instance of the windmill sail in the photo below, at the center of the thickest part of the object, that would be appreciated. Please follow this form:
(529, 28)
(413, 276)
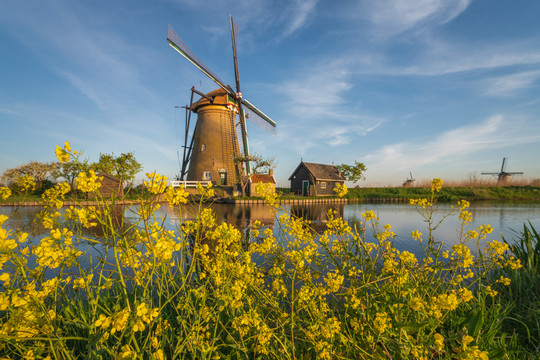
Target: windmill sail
(259, 121)
(262, 115)
(238, 96)
(178, 45)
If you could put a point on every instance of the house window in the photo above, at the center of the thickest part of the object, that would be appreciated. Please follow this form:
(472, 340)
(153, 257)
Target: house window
(207, 175)
(203, 147)
(323, 185)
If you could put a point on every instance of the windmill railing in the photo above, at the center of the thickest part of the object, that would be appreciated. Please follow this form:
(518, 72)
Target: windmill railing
(188, 184)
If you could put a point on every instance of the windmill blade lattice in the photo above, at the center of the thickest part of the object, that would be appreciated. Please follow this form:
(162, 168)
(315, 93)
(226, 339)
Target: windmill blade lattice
(259, 121)
(177, 44)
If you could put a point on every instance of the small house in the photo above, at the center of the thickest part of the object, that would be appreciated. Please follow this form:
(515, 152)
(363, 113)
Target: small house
(111, 186)
(261, 178)
(310, 179)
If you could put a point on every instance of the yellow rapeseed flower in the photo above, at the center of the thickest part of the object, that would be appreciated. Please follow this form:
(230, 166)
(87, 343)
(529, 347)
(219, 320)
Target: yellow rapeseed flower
(490, 291)
(416, 235)
(5, 277)
(119, 321)
(5, 192)
(156, 184)
(465, 294)
(81, 283)
(341, 190)
(439, 341)
(176, 196)
(466, 340)
(268, 192)
(103, 321)
(4, 302)
(62, 154)
(463, 204)
(436, 184)
(369, 215)
(465, 217)
(382, 322)
(484, 230)
(158, 355)
(26, 183)
(88, 182)
(205, 191)
(127, 352)
(514, 263)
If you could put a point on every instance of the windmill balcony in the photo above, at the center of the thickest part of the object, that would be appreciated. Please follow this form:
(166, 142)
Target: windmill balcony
(188, 184)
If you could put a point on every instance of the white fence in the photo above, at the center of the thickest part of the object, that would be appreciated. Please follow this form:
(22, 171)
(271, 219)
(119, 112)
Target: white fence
(188, 184)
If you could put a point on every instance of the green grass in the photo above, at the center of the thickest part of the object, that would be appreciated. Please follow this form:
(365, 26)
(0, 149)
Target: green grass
(522, 297)
(22, 198)
(447, 194)
(450, 193)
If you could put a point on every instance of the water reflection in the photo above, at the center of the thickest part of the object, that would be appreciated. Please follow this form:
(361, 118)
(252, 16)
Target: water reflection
(23, 218)
(503, 217)
(316, 213)
(241, 217)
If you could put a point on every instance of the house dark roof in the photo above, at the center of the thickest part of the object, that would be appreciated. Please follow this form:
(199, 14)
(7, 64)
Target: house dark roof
(321, 171)
(264, 178)
(109, 176)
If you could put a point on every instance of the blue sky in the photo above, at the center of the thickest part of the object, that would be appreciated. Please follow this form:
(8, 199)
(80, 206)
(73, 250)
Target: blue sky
(442, 88)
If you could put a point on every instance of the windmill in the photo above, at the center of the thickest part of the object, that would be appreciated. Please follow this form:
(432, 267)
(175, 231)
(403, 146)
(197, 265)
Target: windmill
(503, 176)
(217, 139)
(409, 182)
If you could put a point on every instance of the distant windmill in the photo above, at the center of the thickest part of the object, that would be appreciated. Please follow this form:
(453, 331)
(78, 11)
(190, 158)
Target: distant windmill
(503, 176)
(409, 182)
(216, 140)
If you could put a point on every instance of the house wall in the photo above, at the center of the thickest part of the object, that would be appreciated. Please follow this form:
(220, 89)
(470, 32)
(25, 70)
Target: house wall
(253, 191)
(329, 190)
(296, 181)
(110, 186)
(303, 174)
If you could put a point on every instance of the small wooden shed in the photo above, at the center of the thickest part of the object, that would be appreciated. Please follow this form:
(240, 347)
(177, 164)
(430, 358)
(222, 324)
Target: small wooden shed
(111, 186)
(264, 178)
(311, 179)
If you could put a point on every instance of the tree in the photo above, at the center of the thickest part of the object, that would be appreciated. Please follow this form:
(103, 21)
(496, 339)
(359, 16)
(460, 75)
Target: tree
(352, 173)
(38, 170)
(259, 165)
(124, 166)
(70, 170)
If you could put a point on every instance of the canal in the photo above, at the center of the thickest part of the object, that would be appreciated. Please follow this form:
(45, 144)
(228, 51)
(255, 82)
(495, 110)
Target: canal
(505, 217)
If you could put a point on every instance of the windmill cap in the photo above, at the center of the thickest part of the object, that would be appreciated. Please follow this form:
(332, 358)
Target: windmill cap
(220, 96)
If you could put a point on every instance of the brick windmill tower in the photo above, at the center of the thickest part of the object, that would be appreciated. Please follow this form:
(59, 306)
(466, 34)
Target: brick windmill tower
(217, 138)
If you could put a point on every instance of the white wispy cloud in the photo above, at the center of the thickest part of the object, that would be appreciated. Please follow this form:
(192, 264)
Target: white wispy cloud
(390, 17)
(508, 85)
(317, 101)
(107, 66)
(498, 131)
(298, 15)
(215, 30)
(8, 111)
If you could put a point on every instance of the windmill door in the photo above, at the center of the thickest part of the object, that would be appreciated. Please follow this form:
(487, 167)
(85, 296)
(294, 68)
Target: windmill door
(223, 177)
(305, 187)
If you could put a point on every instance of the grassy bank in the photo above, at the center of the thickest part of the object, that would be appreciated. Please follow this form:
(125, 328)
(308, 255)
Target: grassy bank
(499, 193)
(447, 194)
(502, 193)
